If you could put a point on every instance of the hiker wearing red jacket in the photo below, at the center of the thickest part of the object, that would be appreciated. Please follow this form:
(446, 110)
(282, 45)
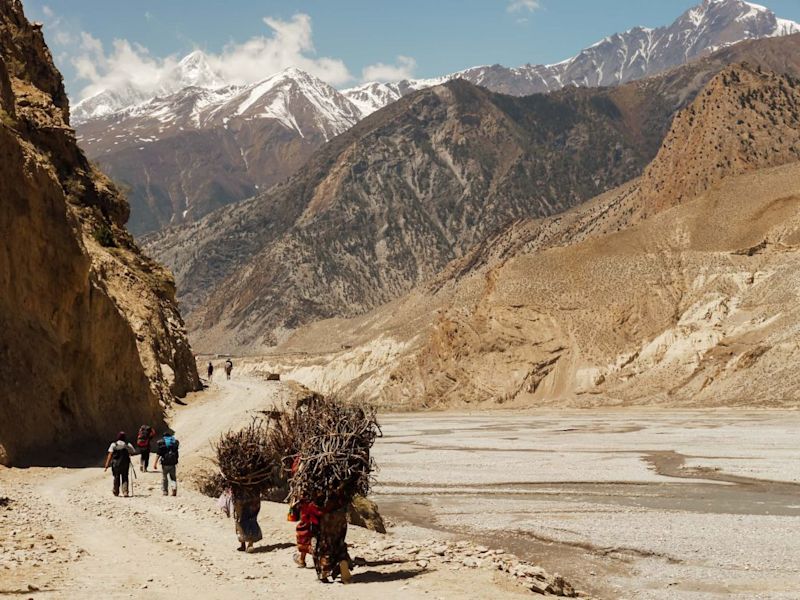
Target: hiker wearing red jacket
(143, 441)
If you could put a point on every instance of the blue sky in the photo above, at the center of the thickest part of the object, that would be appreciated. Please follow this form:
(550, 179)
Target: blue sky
(349, 39)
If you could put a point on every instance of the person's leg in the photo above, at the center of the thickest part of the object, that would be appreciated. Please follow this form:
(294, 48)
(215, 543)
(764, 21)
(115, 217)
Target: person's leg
(172, 478)
(303, 538)
(124, 476)
(164, 479)
(146, 459)
(116, 481)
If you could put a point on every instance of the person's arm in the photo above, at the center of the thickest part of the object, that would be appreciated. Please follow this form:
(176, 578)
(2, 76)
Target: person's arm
(155, 464)
(108, 461)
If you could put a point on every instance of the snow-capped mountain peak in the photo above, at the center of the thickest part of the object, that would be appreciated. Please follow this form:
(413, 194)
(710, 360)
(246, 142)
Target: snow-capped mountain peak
(194, 142)
(194, 70)
(618, 58)
(293, 96)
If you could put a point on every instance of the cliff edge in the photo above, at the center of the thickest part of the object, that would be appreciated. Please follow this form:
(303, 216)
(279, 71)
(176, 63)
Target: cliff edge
(91, 340)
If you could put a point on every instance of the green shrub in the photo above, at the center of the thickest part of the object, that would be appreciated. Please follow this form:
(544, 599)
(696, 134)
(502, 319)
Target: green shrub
(105, 236)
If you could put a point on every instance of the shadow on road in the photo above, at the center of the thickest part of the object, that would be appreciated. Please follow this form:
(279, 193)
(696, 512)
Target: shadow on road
(271, 547)
(380, 577)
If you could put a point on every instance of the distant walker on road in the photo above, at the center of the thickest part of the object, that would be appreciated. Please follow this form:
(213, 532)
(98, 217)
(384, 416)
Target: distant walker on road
(228, 368)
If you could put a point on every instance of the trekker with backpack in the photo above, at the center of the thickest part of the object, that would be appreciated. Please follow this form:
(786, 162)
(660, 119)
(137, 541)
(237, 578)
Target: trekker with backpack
(143, 438)
(167, 452)
(119, 458)
(228, 368)
(210, 371)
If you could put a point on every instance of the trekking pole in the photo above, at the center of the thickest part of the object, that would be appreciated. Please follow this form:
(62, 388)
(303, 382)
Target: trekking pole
(132, 469)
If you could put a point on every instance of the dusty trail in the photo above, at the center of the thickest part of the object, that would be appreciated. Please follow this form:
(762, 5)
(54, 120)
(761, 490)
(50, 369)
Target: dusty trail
(182, 547)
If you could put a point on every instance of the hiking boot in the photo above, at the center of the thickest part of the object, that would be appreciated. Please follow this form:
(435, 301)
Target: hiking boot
(165, 493)
(125, 490)
(174, 492)
(344, 571)
(298, 560)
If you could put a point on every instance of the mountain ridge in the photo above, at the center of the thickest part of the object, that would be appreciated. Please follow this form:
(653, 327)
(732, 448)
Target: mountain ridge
(178, 161)
(195, 150)
(636, 53)
(230, 250)
(675, 295)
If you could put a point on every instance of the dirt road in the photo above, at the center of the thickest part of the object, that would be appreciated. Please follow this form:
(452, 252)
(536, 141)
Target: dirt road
(63, 535)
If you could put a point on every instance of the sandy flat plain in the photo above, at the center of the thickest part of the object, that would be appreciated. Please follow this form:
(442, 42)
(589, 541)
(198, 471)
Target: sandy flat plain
(629, 504)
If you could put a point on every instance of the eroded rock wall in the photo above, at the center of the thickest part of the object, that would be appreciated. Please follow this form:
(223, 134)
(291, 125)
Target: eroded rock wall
(90, 337)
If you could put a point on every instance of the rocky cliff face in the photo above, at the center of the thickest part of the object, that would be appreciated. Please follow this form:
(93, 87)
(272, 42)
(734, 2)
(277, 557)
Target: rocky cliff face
(90, 337)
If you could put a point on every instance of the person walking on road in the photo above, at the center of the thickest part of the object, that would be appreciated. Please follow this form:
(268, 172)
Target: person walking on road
(167, 454)
(143, 439)
(228, 368)
(210, 370)
(119, 459)
(246, 506)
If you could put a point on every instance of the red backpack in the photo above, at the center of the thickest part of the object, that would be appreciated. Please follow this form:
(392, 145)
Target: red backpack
(143, 439)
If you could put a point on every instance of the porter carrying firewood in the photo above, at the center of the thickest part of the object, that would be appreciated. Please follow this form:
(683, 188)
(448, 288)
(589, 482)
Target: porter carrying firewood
(331, 466)
(249, 465)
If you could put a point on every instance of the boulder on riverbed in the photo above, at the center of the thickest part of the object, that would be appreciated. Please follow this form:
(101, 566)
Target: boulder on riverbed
(363, 512)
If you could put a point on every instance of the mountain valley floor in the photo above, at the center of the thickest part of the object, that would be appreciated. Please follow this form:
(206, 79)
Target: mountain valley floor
(634, 503)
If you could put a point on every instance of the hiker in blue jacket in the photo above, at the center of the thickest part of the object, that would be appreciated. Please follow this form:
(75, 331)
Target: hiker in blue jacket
(167, 454)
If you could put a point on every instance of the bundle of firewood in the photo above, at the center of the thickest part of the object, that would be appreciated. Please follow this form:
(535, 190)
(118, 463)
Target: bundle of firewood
(333, 441)
(247, 458)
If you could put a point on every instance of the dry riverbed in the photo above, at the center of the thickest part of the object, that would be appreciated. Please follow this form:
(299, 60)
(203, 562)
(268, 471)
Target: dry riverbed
(627, 504)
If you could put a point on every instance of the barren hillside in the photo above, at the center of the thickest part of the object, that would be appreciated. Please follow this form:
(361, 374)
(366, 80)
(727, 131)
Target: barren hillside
(387, 205)
(642, 295)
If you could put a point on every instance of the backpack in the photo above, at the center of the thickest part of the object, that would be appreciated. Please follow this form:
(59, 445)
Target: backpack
(120, 456)
(169, 451)
(143, 439)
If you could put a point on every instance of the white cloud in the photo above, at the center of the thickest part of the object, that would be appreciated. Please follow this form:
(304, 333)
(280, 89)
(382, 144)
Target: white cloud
(124, 65)
(402, 69)
(515, 6)
(290, 45)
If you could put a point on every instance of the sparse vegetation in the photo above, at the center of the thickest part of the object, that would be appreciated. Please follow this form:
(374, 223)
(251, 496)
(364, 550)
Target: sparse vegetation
(209, 483)
(104, 236)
